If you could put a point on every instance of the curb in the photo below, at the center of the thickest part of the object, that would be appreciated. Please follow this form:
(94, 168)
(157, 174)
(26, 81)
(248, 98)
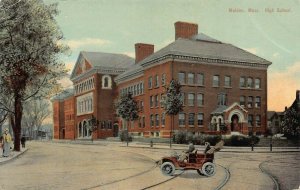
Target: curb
(229, 151)
(178, 148)
(14, 157)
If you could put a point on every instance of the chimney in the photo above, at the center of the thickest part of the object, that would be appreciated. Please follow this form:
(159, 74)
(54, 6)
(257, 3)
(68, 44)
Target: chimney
(142, 51)
(185, 29)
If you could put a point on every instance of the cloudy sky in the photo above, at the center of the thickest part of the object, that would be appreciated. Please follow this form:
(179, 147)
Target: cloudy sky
(271, 30)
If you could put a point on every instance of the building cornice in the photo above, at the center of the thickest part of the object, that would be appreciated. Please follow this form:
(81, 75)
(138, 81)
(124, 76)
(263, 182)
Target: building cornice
(196, 59)
(130, 76)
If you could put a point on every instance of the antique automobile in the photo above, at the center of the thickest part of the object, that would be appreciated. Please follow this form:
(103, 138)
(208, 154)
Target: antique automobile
(202, 162)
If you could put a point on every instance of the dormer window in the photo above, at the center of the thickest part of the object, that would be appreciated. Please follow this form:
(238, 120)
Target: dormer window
(106, 82)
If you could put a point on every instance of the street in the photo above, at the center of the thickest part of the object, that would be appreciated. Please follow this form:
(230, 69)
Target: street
(49, 165)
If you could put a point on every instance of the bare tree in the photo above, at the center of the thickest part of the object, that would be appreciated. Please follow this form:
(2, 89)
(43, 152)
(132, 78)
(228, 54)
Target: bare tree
(34, 113)
(30, 49)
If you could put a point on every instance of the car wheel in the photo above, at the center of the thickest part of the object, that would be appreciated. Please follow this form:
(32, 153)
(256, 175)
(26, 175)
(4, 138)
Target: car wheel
(167, 168)
(209, 169)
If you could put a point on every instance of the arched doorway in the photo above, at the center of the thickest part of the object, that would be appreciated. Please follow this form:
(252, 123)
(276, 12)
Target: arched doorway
(115, 129)
(235, 122)
(80, 130)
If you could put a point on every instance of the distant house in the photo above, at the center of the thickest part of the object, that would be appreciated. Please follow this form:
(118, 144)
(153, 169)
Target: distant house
(275, 118)
(274, 121)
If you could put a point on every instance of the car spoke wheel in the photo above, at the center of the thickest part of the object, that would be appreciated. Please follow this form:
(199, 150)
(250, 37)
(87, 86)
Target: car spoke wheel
(209, 169)
(167, 168)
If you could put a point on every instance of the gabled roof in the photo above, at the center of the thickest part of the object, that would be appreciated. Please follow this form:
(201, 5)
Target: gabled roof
(204, 46)
(105, 60)
(108, 59)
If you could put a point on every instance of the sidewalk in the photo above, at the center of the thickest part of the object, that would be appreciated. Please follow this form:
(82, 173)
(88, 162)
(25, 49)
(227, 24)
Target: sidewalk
(137, 144)
(12, 155)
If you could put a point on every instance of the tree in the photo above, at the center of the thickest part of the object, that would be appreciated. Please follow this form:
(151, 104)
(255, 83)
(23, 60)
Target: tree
(34, 113)
(172, 102)
(30, 50)
(291, 123)
(92, 124)
(127, 109)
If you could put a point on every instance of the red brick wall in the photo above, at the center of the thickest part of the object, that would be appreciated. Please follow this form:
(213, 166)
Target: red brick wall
(69, 115)
(233, 94)
(58, 119)
(104, 105)
(210, 94)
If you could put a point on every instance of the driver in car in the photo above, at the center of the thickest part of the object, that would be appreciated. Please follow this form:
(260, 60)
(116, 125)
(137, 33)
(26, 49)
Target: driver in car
(184, 155)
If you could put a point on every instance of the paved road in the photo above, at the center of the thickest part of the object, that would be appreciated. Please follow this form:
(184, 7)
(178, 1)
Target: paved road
(109, 166)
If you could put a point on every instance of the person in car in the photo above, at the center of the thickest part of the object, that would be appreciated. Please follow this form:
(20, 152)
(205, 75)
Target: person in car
(184, 156)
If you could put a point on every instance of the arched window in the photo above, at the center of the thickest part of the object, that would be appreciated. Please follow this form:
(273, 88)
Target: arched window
(106, 82)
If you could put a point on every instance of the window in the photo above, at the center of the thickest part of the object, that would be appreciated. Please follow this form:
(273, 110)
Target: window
(181, 117)
(142, 105)
(182, 98)
(257, 102)
(257, 84)
(143, 122)
(163, 79)
(200, 79)
(156, 120)
(249, 82)
(227, 81)
(250, 119)
(156, 81)
(242, 82)
(222, 99)
(163, 119)
(250, 102)
(152, 120)
(150, 82)
(181, 78)
(151, 101)
(191, 119)
(242, 101)
(162, 100)
(140, 122)
(258, 120)
(134, 90)
(142, 87)
(156, 100)
(191, 99)
(191, 78)
(84, 104)
(200, 119)
(216, 80)
(106, 82)
(200, 99)
(138, 92)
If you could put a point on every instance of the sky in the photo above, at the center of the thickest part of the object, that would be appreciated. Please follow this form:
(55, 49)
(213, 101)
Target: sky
(269, 29)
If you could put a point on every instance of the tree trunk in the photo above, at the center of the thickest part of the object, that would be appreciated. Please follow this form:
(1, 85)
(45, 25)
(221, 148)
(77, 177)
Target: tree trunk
(17, 124)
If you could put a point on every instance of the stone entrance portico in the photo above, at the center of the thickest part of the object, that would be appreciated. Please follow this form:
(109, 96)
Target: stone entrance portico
(230, 119)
